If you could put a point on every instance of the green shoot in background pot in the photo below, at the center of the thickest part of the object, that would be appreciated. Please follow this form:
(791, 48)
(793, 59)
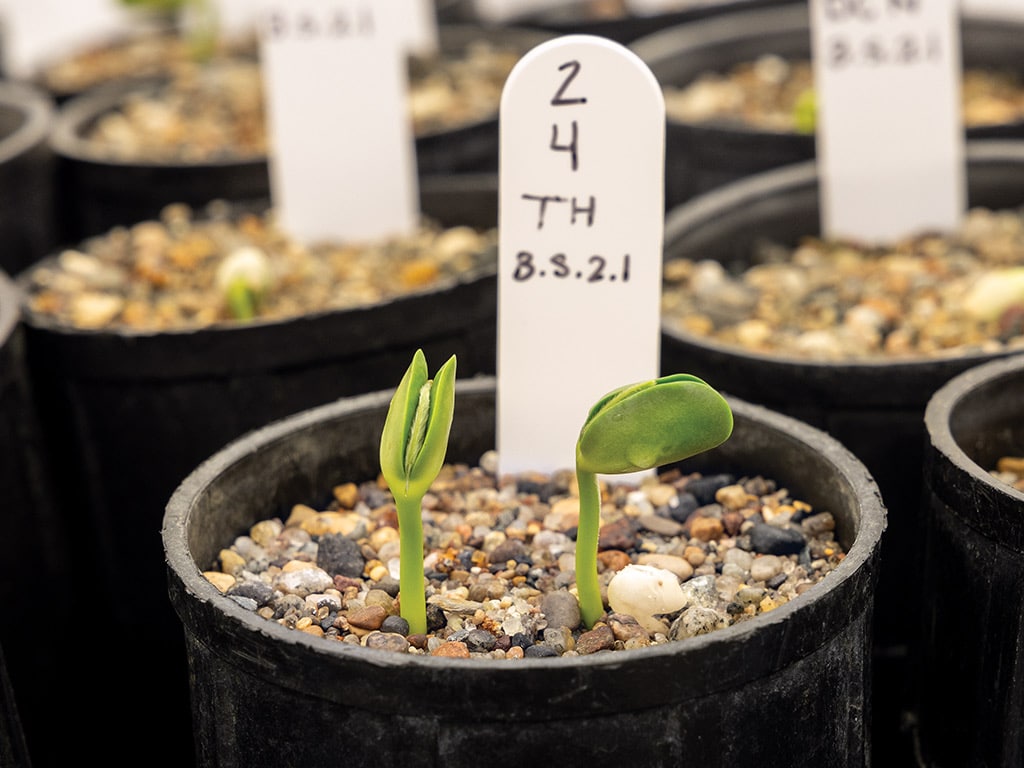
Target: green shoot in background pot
(412, 450)
(635, 428)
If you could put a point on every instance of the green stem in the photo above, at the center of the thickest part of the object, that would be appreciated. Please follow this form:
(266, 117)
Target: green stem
(241, 300)
(591, 605)
(412, 594)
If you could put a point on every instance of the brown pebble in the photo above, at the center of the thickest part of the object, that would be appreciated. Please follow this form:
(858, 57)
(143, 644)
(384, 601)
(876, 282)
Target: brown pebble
(452, 650)
(346, 494)
(600, 638)
(695, 556)
(706, 528)
(617, 535)
(370, 617)
(732, 521)
(612, 560)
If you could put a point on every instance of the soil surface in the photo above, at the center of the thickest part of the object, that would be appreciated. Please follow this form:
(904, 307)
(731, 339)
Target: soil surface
(216, 110)
(166, 274)
(500, 567)
(928, 296)
(770, 92)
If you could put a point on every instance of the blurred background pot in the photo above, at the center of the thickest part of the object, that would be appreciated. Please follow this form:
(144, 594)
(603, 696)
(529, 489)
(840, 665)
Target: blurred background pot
(98, 191)
(703, 154)
(126, 415)
(33, 549)
(874, 407)
(27, 195)
(971, 672)
(654, 706)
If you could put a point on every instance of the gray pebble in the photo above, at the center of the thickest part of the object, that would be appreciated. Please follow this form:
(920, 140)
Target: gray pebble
(773, 540)
(340, 556)
(561, 608)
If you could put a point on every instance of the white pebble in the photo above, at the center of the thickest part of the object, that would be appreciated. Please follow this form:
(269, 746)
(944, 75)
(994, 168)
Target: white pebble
(644, 592)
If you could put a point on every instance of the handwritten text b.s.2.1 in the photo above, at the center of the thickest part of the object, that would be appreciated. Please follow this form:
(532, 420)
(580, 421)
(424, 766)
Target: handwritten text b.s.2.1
(594, 269)
(331, 23)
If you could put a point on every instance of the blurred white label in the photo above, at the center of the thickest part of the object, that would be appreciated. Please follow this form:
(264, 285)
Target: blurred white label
(343, 164)
(890, 137)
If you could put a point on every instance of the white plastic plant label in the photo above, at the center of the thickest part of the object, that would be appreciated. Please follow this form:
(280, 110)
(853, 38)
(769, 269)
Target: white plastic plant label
(342, 163)
(890, 136)
(36, 32)
(581, 215)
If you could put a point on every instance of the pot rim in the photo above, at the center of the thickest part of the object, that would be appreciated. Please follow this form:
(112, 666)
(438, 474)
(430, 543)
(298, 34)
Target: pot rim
(802, 176)
(10, 308)
(855, 476)
(938, 418)
(39, 116)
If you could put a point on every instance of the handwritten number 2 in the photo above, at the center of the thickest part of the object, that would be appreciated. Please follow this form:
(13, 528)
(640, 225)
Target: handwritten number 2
(560, 100)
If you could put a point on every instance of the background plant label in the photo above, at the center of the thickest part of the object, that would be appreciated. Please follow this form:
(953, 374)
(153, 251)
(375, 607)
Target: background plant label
(35, 32)
(581, 216)
(343, 163)
(890, 136)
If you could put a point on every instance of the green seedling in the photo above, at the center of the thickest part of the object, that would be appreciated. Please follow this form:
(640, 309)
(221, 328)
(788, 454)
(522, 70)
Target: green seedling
(412, 450)
(198, 18)
(243, 278)
(805, 112)
(633, 428)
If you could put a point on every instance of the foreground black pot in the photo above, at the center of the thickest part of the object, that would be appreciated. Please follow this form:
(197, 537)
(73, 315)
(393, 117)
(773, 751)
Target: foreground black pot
(701, 156)
(657, 706)
(26, 176)
(98, 193)
(971, 675)
(128, 415)
(874, 408)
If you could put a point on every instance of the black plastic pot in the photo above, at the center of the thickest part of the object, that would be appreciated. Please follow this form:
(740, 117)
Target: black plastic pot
(127, 415)
(701, 156)
(699, 701)
(971, 675)
(13, 748)
(33, 549)
(98, 193)
(27, 204)
(874, 408)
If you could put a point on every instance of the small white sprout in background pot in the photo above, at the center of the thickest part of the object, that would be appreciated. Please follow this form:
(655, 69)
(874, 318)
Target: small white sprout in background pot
(994, 293)
(243, 278)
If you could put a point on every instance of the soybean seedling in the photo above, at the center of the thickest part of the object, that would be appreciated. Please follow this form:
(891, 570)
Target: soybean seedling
(634, 428)
(412, 450)
(243, 278)
(199, 16)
